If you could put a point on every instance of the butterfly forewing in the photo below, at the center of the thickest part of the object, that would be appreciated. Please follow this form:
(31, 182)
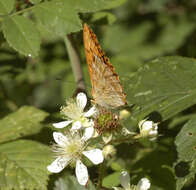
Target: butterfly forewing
(106, 88)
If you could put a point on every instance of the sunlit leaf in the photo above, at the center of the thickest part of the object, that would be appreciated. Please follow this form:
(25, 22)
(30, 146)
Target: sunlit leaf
(25, 121)
(23, 165)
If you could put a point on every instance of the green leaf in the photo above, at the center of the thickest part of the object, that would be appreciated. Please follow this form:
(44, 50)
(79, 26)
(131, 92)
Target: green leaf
(165, 86)
(186, 141)
(186, 148)
(68, 182)
(185, 174)
(95, 5)
(6, 6)
(58, 17)
(23, 165)
(35, 1)
(103, 15)
(111, 180)
(61, 17)
(25, 121)
(21, 35)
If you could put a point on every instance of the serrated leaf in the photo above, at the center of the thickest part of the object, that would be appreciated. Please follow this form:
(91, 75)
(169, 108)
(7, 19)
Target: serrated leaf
(25, 121)
(6, 6)
(165, 86)
(61, 17)
(21, 35)
(23, 165)
(68, 182)
(58, 16)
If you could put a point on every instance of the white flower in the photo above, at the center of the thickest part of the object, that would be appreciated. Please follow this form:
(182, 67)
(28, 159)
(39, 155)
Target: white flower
(70, 149)
(148, 129)
(143, 184)
(76, 115)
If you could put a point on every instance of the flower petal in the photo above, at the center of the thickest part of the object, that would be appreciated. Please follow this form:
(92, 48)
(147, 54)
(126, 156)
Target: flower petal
(125, 180)
(58, 165)
(60, 138)
(95, 155)
(81, 173)
(81, 100)
(62, 124)
(88, 133)
(143, 184)
(76, 125)
(147, 125)
(90, 112)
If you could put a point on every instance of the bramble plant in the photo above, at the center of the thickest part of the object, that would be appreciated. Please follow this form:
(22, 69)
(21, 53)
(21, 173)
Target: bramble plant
(133, 131)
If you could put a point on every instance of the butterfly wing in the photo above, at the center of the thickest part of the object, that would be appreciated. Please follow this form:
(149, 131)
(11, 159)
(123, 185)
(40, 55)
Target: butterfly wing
(106, 88)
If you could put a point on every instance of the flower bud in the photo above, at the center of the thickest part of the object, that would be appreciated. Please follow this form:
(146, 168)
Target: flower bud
(148, 129)
(124, 114)
(109, 151)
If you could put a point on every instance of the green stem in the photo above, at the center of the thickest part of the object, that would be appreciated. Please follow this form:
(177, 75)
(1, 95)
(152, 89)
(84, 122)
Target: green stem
(75, 62)
(100, 177)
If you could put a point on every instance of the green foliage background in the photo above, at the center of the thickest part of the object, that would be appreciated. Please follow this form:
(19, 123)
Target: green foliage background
(151, 44)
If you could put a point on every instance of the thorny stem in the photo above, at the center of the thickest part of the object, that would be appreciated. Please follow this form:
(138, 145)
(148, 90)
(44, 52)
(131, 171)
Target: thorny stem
(75, 62)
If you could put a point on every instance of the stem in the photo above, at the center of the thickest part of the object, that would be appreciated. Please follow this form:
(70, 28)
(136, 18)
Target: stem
(75, 62)
(100, 177)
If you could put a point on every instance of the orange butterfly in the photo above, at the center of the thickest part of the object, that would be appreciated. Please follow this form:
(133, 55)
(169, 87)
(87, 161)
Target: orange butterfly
(106, 88)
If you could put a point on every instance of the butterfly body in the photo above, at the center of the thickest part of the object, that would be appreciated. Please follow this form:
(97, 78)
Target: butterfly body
(106, 88)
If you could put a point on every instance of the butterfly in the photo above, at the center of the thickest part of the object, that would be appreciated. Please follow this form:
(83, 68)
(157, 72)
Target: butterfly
(107, 90)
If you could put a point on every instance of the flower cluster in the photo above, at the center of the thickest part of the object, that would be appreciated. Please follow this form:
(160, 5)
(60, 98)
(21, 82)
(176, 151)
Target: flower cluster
(72, 147)
(80, 126)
